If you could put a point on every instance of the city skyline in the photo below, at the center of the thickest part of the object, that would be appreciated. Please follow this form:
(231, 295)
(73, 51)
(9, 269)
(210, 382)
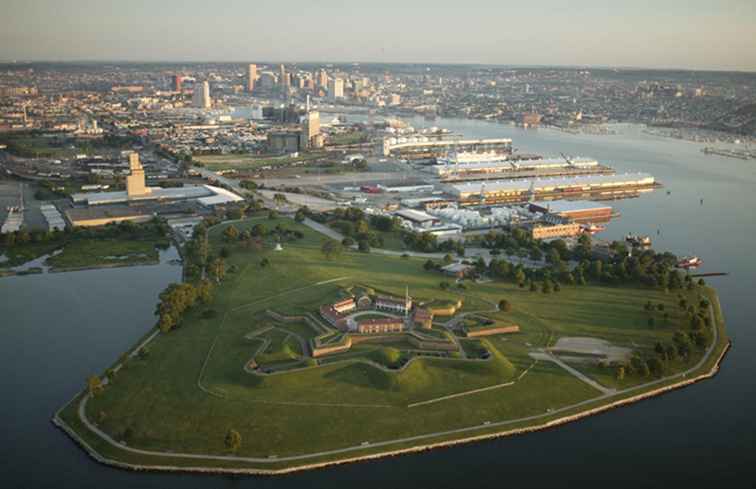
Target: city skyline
(675, 35)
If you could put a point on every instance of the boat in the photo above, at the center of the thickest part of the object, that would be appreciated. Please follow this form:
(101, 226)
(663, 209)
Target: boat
(689, 262)
(635, 240)
(592, 228)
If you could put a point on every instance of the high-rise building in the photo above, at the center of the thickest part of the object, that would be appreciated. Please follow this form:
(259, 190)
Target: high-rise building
(336, 88)
(201, 98)
(310, 127)
(135, 186)
(251, 77)
(177, 79)
(322, 80)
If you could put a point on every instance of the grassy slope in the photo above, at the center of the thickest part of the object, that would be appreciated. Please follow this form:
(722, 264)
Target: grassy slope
(164, 386)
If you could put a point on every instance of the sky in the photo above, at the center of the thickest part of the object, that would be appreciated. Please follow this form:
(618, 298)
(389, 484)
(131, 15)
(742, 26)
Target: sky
(692, 34)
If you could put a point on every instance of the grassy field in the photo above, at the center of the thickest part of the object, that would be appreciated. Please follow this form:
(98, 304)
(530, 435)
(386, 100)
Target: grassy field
(105, 252)
(249, 162)
(155, 402)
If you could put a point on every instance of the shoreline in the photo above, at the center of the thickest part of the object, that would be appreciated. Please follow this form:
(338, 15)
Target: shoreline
(61, 424)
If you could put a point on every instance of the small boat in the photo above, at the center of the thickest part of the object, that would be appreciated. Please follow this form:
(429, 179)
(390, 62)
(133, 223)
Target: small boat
(689, 262)
(592, 228)
(635, 240)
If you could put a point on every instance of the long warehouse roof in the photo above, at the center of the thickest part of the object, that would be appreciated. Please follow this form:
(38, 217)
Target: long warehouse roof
(523, 185)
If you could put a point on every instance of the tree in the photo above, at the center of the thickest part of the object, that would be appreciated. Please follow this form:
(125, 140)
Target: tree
(264, 263)
(233, 440)
(300, 215)
(448, 259)
(536, 254)
(204, 291)
(546, 287)
(231, 233)
(217, 269)
(258, 230)
(429, 265)
(620, 372)
(597, 267)
(505, 305)
(347, 242)
(94, 385)
(331, 248)
(651, 322)
(444, 285)
(682, 343)
(655, 366)
(533, 286)
(520, 276)
(363, 246)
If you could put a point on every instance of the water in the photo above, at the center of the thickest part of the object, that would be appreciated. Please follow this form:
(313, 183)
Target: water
(59, 328)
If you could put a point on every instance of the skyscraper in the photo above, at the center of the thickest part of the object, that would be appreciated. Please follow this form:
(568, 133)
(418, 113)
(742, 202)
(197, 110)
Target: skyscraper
(284, 82)
(251, 77)
(201, 98)
(177, 79)
(336, 88)
(322, 80)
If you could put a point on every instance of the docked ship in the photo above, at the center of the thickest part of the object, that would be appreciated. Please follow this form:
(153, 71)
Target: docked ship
(635, 240)
(592, 228)
(689, 262)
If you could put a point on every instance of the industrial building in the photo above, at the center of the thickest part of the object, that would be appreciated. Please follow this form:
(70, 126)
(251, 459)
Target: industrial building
(138, 191)
(500, 164)
(581, 211)
(284, 142)
(418, 219)
(423, 147)
(512, 190)
(538, 231)
(100, 216)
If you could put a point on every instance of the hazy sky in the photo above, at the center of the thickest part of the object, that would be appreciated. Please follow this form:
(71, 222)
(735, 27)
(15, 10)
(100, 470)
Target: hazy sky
(712, 34)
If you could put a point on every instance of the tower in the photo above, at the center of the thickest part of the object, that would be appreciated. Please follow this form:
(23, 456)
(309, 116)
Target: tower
(201, 98)
(251, 77)
(336, 88)
(177, 79)
(135, 186)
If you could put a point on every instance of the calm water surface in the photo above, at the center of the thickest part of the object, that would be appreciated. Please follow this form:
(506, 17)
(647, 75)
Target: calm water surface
(57, 329)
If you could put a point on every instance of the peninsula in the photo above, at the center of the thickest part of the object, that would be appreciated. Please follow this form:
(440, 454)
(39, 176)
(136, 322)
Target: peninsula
(285, 349)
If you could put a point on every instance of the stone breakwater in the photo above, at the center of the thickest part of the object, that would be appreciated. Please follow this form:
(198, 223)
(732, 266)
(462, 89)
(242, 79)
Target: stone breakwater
(60, 423)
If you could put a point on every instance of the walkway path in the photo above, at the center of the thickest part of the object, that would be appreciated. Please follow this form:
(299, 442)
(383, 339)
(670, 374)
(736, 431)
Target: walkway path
(551, 358)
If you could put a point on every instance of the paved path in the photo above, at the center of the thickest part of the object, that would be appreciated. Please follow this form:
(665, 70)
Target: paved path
(323, 229)
(551, 358)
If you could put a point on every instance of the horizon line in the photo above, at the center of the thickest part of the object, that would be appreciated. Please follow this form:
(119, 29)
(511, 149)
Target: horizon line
(436, 63)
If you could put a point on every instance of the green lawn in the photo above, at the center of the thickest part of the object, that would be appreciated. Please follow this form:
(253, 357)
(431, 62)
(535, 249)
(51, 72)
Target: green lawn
(250, 162)
(157, 404)
(106, 252)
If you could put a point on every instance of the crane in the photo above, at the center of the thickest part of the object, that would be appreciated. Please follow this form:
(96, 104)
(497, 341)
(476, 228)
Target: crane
(569, 161)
